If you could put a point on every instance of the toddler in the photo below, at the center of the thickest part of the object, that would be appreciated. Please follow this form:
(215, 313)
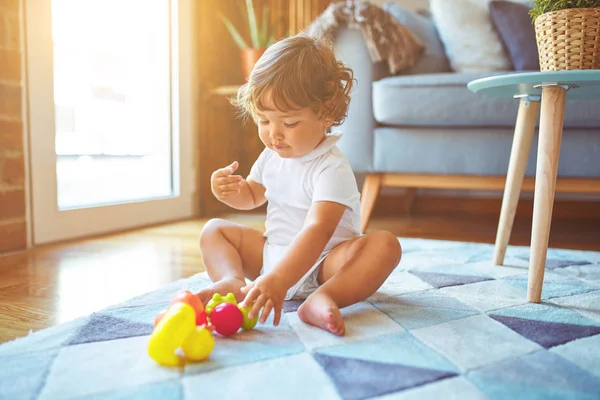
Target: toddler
(312, 248)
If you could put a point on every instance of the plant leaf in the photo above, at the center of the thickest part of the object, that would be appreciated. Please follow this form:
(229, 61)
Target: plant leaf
(265, 27)
(253, 25)
(243, 13)
(239, 40)
(543, 6)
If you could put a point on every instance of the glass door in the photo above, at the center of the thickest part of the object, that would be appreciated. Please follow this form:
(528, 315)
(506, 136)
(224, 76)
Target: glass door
(108, 90)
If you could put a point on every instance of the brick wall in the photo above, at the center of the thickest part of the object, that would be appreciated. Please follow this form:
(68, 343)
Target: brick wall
(12, 165)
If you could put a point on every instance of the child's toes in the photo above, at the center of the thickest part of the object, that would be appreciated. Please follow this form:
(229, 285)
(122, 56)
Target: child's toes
(331, 327)
(335, 325)
(338, 329)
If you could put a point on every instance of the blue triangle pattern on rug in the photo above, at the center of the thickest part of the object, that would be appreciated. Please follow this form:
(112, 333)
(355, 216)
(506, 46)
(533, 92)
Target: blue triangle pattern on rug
(479, 338)
(557, 263)
(167, 390)
(22, 376)
(101, 327)
(145, 315)
(439, 281)
(360, 379)
(547, 334)
(540, 375)
(555, 285)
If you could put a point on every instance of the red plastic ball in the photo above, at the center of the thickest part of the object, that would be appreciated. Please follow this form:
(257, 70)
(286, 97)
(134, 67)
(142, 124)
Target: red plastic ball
(226, 318)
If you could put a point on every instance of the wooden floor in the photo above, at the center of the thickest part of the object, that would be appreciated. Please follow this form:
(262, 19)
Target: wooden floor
(53, 284)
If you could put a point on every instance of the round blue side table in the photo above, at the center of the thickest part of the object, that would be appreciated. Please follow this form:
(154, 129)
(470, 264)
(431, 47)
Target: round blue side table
(551, 89)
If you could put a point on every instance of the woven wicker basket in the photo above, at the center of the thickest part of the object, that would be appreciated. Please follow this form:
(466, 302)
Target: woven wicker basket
(569, 39)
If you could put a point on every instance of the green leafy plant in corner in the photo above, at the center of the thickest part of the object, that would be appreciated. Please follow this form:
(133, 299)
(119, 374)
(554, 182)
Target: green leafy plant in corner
(543, 6)
(260, 36)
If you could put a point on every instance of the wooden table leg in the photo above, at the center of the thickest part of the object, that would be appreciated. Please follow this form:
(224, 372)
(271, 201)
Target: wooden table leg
(370, 192)
(524, 129)
(551, 127)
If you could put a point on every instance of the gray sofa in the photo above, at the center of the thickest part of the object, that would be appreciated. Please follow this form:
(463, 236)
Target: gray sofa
(430, 131)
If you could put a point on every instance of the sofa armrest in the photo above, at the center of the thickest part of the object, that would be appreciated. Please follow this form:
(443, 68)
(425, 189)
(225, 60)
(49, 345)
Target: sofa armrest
(357, 140)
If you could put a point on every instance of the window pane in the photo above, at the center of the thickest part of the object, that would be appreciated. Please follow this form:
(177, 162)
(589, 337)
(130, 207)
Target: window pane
(112, 86)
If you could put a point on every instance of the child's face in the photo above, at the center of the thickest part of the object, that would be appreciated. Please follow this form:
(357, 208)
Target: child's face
(291, 133)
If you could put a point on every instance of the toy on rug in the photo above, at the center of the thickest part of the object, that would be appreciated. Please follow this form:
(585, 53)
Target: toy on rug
(227, 317)
(177, 329)
(188, 326)
(185, 296)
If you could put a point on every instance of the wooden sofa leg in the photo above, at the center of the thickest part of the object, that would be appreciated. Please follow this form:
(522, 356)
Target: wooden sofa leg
(409, 200)
(369, 194)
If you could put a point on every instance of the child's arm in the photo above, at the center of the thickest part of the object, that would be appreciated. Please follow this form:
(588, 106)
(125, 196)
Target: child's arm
(236, 191)
(321, 222)
(269, 290)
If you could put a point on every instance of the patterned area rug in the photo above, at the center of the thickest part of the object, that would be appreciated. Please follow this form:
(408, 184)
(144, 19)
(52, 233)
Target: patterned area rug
(446, 324)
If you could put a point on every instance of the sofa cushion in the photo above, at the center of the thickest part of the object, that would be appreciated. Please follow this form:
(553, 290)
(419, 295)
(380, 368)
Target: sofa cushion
(471, 42)
(444, 100)
(471, 151)
(513, 23)
(434, 58)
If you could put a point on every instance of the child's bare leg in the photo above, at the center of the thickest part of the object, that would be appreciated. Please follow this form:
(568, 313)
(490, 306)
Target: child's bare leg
(352, 272)
(230, 252)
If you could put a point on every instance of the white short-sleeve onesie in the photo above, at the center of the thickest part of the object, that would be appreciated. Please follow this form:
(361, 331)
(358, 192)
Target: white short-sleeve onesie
(292, 185)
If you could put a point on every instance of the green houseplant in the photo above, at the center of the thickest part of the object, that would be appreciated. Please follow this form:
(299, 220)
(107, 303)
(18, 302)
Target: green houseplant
(261, 36)
(567, 33)
(544, 6)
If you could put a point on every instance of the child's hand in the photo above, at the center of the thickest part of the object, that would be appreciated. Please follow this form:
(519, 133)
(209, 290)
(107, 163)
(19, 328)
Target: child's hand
(223, 184)
(267, 292)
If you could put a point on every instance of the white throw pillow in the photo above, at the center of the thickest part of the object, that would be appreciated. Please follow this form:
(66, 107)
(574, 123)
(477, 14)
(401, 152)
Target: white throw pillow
(471, 43)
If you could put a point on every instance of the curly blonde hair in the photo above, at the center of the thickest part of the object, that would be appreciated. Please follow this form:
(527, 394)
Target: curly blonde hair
(295, 73)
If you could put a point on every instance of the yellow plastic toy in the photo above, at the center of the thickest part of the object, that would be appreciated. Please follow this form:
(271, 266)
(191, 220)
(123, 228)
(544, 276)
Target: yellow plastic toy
(218, 299)
(199, 344)
(177, 330)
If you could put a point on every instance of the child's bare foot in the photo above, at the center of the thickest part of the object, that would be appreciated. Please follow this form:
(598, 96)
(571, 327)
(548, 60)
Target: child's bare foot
(320, 310)
(223, 287)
